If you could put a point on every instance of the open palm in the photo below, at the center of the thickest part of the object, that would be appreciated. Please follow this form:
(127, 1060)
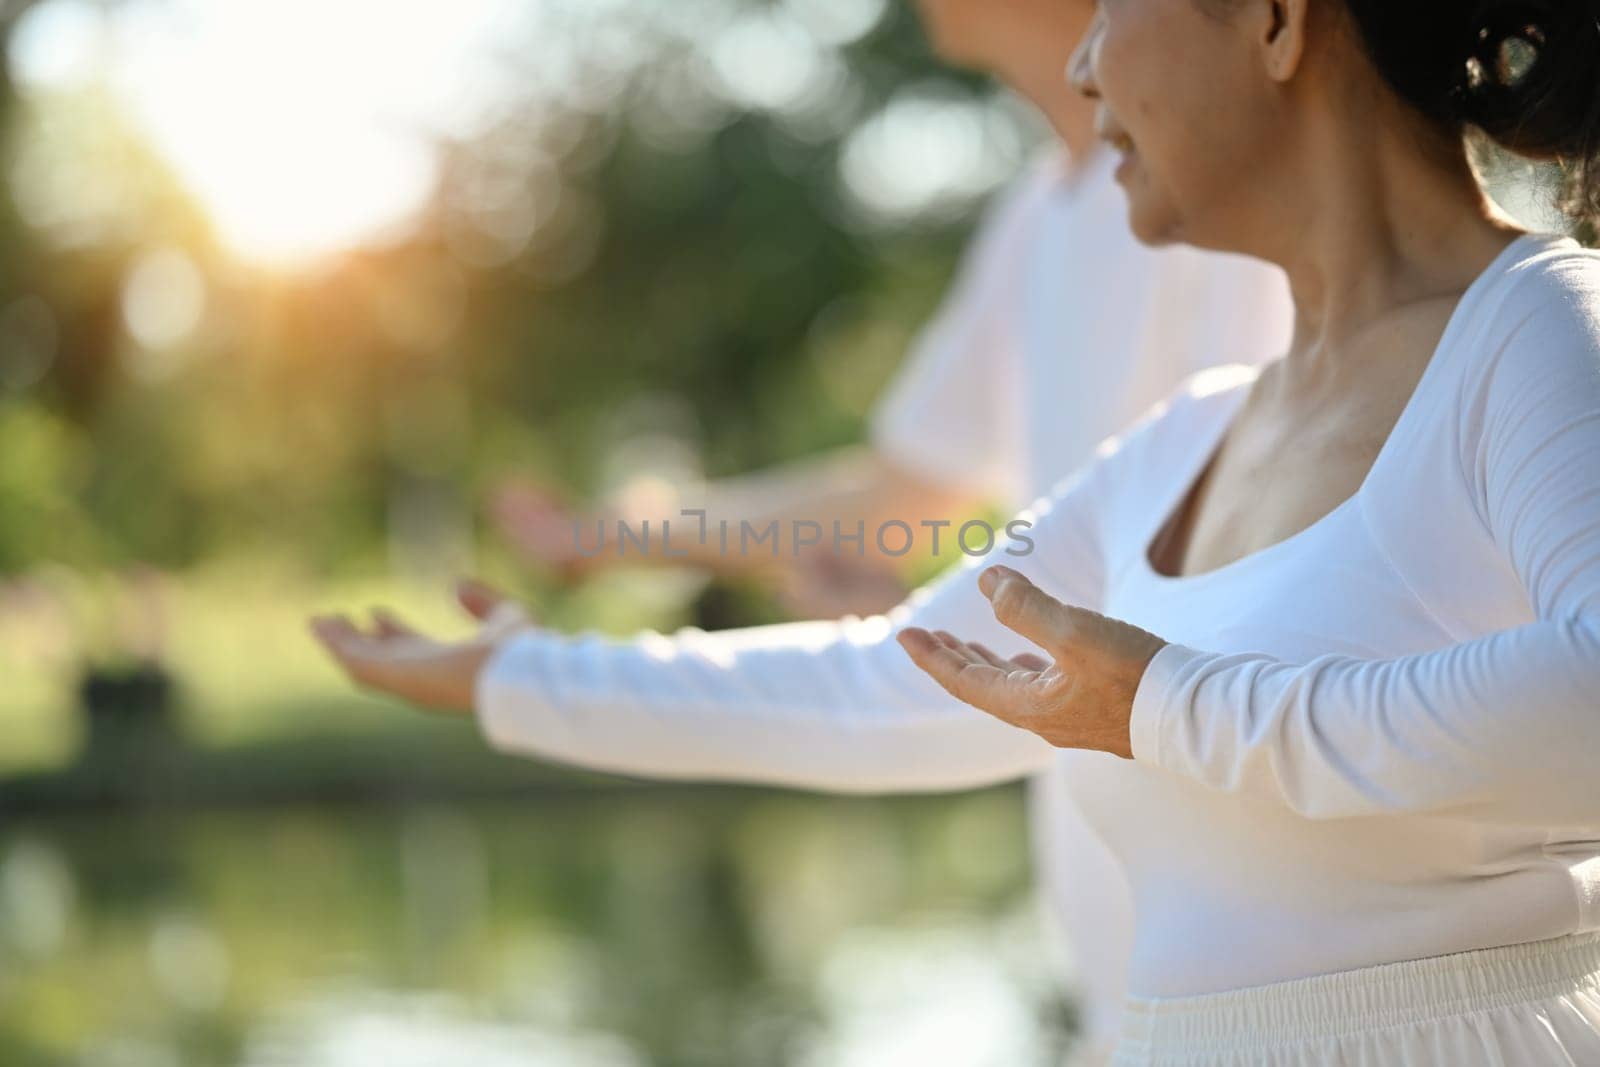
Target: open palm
(1078, 696)
(394, 658)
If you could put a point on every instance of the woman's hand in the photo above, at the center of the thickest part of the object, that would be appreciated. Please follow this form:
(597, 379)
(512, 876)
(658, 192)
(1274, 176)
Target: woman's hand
(395, 659)
(535, 522)
(1080, 697)
(577, 543)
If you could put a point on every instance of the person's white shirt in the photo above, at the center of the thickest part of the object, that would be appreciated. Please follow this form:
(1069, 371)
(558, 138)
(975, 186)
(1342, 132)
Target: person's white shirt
(1061, 330)
(1372, 741)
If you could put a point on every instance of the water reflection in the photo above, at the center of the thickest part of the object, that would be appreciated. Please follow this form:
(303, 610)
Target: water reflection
(343, 1028)
(635, 926)
(36, 898)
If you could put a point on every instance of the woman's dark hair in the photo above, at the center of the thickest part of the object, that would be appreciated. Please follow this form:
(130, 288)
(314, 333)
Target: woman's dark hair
(1525, 72)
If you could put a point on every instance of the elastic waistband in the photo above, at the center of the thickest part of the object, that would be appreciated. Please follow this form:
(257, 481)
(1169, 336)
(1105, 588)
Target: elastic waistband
(1371, 998)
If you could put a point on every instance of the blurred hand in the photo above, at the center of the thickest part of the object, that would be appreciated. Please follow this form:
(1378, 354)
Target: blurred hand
(826, 585)
(540, 527)
(393, 658)
(1081, 696)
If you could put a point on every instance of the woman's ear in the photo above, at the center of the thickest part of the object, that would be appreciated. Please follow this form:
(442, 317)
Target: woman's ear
(1281, 34)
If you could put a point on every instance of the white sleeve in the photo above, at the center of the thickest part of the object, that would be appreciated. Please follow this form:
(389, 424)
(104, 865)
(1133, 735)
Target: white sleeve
(952, 414)
(824, 705)
(1505, 727)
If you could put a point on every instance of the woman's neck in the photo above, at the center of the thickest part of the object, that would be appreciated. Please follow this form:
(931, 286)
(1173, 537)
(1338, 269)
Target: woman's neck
(1375, 227)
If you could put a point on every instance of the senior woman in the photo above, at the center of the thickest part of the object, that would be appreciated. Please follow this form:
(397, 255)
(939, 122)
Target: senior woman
(1317, 645)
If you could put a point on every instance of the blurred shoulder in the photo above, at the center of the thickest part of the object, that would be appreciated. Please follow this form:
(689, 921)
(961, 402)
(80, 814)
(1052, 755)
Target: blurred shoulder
(1041, 183)
(1013, 216)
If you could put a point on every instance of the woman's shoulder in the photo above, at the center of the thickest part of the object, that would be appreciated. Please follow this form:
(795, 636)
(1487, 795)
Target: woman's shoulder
(1531, 324)
(1038, 185)
(1554, 273)
(1010, 219)
(1551, 260)
(1543, 286)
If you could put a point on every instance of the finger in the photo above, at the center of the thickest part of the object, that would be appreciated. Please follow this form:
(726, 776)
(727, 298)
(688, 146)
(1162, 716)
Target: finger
(966, 651)
(1022, 606)
(970, 680)
(354, 651)
(337, 632)
(987, 654)
(497, 612)
(1023, 668)
(478, 598)
(1028, 661)
(953, 644)
(934, 652)
(388, 625)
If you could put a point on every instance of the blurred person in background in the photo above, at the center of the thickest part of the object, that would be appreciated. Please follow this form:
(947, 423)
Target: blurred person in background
(1060, 329)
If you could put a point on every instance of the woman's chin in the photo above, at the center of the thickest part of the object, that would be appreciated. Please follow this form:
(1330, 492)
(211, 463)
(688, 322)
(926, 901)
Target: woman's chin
(1152, 223)
(1148, 217)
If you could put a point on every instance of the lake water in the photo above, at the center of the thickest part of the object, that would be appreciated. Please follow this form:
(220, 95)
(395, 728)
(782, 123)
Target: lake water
(605, 927)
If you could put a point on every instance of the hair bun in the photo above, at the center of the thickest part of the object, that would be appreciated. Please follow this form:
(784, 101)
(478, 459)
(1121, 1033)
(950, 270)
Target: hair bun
(1525, 72)
(1531, 75)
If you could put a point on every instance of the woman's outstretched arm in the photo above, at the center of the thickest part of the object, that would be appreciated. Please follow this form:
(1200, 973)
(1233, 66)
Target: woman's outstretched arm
(830, 705)
(822, 705)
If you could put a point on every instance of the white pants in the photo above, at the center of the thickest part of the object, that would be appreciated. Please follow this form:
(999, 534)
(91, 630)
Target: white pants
(1533, 1005)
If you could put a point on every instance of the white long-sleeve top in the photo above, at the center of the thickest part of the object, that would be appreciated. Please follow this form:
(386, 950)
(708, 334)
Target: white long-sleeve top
(1060, 330)
(1378, 739)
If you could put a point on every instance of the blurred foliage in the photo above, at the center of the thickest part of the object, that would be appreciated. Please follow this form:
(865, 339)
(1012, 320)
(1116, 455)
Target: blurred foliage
(710, 286)
(622, 929)
(625, 265)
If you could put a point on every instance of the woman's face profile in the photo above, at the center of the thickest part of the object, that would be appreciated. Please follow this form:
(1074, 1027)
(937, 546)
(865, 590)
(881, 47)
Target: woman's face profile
(1183, 98)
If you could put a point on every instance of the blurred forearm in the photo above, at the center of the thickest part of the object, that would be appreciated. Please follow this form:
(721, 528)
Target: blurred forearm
(853, 487)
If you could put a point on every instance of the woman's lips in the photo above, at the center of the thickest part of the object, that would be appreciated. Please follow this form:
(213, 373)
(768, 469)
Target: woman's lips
(1125, 167)
(1120, 143)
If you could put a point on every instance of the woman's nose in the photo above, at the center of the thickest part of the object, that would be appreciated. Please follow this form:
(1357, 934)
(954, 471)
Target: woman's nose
(1080, 67)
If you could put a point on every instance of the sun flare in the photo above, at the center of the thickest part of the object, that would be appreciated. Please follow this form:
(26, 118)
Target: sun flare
(302, 127)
